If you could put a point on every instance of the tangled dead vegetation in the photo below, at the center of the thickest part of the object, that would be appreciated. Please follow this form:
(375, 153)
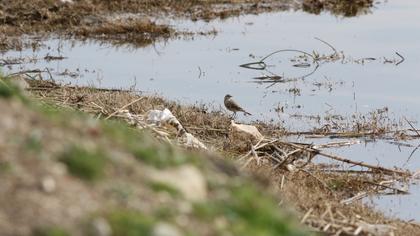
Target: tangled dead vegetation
(327, 195)
(338, 7)
(65, 173)
(137, 32)
(135, 22)
(112, 18)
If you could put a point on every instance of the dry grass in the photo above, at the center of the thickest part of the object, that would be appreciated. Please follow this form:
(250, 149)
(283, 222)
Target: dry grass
(313, 190)
(99, 19)
(44, 15)
(338, 7)
(63, 172)
(137, 32)
(208, 126)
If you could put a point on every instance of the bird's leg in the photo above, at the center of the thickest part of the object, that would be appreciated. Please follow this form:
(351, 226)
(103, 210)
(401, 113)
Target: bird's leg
(231, 116)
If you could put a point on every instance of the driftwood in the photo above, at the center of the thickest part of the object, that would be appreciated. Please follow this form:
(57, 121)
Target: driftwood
(345, 160)
(284, 153)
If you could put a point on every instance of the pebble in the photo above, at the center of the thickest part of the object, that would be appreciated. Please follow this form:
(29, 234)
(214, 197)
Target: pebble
(100, 227)
(188, 179)
(48, 184)
(165, 229)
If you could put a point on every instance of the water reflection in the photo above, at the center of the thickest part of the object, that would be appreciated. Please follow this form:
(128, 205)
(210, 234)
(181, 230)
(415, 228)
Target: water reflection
(339, 7)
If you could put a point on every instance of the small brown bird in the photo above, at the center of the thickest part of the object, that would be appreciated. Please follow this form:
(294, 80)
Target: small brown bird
(231, 105)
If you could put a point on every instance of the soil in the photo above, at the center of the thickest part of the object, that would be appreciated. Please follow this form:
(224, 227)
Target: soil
(313, 189)
(66, 173)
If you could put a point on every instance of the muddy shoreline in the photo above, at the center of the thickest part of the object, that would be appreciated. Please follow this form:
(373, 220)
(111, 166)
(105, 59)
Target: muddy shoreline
(135, 22)
(316, 191)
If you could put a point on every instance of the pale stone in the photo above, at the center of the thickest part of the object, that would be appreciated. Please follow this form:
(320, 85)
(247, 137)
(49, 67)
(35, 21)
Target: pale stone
(165, 229)
(100, 227)
(187, 179)
(240, 132)
(48, 184)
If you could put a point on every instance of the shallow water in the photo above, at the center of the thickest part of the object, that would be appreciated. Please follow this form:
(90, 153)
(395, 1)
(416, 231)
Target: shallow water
(204, 69)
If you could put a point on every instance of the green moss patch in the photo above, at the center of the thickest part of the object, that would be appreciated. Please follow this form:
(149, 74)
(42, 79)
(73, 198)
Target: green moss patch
(50, 231)
(163, 187)
(248, 212)
(83, 163)
(7, 90)
(130, 223)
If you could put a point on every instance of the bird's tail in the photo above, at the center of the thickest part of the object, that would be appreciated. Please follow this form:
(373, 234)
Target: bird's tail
(247, 113)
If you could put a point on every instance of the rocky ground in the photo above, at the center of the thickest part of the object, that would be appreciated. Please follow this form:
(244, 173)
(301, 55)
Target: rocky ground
(66, 173)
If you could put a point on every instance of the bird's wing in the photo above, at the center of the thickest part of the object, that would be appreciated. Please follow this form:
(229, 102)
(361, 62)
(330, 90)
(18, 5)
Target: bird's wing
(236, 106)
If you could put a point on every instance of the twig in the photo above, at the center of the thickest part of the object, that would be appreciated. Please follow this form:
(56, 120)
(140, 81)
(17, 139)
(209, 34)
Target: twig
(200, 72)
(354, 198)
(319, 180)
(329, 45)
(261, 65)
(244, 156)
(26, 72)
(279, 161)
(255, 147)
(123, 107)
(320, 134)
(307, 214)
(247, 162)
(282, 182)
(386, 186)
(257, 158)
(337, 144)
(288, 155)
(207, 129)
(417, 132)
(359, 163)
(345, 171)
(412, 126)
(49, 73)
(402, 59)
(337, 158)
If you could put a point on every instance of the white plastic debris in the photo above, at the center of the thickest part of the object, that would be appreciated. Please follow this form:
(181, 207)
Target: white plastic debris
(244, 132)
(376, 229)
(161, 117)
(154, 117)
(128, 117)
(194, 142)
(158, 117)
(291, 168)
